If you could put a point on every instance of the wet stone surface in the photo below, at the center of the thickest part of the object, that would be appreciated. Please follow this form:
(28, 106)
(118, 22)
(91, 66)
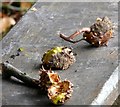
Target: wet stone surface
(37, 32)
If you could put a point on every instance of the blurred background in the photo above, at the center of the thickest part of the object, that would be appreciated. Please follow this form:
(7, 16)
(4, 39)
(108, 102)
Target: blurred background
(11, 12)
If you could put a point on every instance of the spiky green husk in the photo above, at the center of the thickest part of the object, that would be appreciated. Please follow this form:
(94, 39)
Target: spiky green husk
(58, 58)
(59, 93)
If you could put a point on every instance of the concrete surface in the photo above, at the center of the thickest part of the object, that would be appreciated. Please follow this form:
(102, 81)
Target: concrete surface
(37, 32)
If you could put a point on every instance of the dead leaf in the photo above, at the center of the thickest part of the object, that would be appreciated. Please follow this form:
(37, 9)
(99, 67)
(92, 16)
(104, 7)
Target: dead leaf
(25, 5)
(2, 15)
(17, 16)
(6, 23)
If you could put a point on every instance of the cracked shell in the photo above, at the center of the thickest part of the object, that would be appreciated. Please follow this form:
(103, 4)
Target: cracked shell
(58, 58)
(59, 93)
(48, 78)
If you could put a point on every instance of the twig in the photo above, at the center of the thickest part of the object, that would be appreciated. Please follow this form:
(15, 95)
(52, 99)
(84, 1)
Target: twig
(69, 38)
(9, 70)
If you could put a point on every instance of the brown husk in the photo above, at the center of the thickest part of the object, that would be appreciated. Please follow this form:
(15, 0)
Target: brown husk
(59, 93)
(101, 32)
(60, 60)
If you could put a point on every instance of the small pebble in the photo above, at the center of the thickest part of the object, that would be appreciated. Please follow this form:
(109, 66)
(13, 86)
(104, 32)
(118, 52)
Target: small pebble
(7, 61)
(18, 54)
(12, 56)
(75, 70)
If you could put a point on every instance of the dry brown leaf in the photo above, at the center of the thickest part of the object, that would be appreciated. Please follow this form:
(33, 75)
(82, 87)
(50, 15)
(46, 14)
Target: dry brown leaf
(5, 2)
(25, 5)
(2, 15)
(6, 23)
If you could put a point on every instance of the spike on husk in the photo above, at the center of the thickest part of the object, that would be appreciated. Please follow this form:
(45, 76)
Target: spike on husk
(48, 78)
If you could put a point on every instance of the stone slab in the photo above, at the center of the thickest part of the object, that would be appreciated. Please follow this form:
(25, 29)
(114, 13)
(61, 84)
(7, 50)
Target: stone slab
(37, 32)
